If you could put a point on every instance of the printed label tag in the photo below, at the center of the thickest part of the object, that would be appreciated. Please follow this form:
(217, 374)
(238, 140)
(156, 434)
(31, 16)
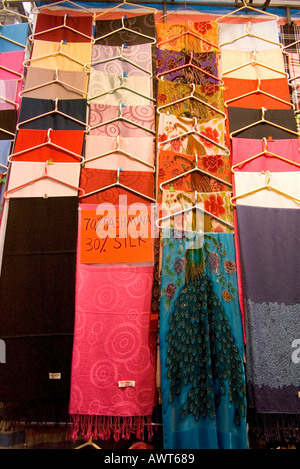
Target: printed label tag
(124, 384)
(54, 375)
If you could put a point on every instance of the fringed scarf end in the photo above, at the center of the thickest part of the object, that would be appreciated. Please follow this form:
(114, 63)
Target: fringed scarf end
(275, 429)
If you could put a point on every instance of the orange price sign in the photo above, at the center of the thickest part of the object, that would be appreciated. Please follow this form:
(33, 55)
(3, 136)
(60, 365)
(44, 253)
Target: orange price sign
(112, 234)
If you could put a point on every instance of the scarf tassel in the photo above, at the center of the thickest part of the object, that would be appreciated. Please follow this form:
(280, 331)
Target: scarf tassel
(104, 427)
(278, 429)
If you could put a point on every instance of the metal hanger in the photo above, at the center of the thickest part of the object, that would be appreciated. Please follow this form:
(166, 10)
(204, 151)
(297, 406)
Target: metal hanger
(47, 143)
(190, 64)
(191, 33)
(62, 26)
(263, 121)
(189, 209)
(60, 52)
(55, 4)
(152, 40)
(52, 82)
(118, 184)
(246, 6)
(89, 65)
(118, 150)
(44, 176)
(267, 186)
(4, 9)
(249, 34)
(258, 90)
(123, 119)
(265, 152)
(54, 111)
(121, 87)
(191, 96)
(125, 3)
(253, 62)
(195, 131)
(196, 169)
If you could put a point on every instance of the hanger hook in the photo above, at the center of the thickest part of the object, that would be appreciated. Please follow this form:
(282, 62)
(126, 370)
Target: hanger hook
(268, 177)
(194, 89)
(196, 160)
(48, 135)
(265, 144)
(263, 113)
(118, 143)
(118, 175)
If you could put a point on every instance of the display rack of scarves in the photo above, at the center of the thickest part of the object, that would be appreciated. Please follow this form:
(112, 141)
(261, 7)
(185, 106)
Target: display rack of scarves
(38, 300)
(264, 154)
(113, 389)
(182, 272)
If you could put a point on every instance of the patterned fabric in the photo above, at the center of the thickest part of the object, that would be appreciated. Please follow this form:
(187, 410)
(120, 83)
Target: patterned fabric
(272, 320)
(203, 381)
(212, 134)
(105, 88)
(188, 37)
(172, 164)
(167, 60)
(138, 59)
(100, 116)
(169, 92)
(113, 368)
(116, 30)
(249, 36)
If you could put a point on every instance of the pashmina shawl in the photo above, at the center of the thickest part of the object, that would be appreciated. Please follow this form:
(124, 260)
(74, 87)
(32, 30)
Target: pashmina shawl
(8, 94)
(113, 366)
(201, 346)
(143, 25)
(270, 271)
(284, 120)
(100, 116)
(169, 60)
(208, 143)
(74, 110)
(37, 291)
(204, 37)
(17, 33)
(29, 143)
(249, 36)
(8, 122)
(46, 54)
(169, 93)
(71, 33)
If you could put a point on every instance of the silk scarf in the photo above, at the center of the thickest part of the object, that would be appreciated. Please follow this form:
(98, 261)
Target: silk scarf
(101, 115)
(207, 104)
(69, 28)
(204, 37)
(37, 291)
(113, 368)
(130, 154)
(8, 94)
(249, 36)
(271, 296)
(18, 33)
(203, 381)
(70, 56)
(115, 32)
(8, 122)
(172, 127)
(171, 61)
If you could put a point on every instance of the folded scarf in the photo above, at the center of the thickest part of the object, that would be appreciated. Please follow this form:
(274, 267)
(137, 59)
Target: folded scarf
(271, 297)
(81, 23)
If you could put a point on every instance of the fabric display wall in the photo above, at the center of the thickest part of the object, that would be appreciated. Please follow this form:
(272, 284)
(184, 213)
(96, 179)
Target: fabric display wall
(265, 166)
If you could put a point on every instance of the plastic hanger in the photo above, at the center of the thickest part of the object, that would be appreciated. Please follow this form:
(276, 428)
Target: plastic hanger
(118, 184)
(60, 52)
(258, 90)
(184, 8)
(62, 26)
(48, 143)
(4, 9)
(6, 169)
(63, 2)
(191, 96)
(52, 82)
(89, 65)
(291, 45)
(123, 119)
(13, 72)
(194, 170)
(124, 4)
(189, 209)
(152, 40)
(118, 150)
(12, 41)
(10, 102)
(7, 132)
(191, 33)
(254, 62)
(190, 64)
(44, 176)
(88, 443)
(267, 186)
(249, 34)
(265, 152)
(54, 111)
(194, 131)
(121, 87)
(263, 121)
(245, 6)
